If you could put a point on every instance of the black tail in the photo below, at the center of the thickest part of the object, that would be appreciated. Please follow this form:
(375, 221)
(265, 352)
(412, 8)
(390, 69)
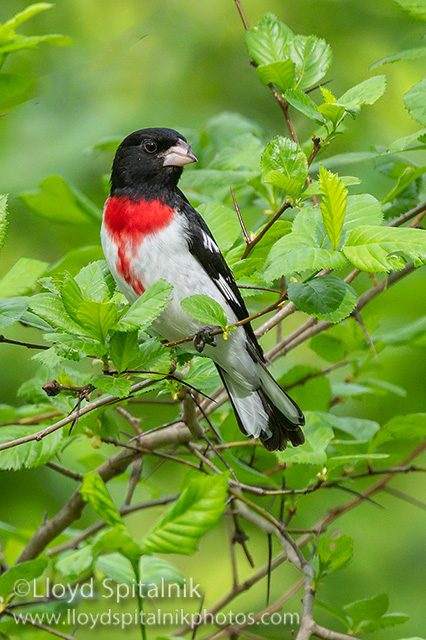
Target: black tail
(267, 413)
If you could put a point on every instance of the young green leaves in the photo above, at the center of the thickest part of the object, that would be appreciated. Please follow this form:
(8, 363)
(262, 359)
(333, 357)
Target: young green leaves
(285, 166)
(289, 61)
(333, 204)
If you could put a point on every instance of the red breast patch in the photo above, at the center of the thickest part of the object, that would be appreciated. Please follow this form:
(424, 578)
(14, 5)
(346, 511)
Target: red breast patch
(127, 223)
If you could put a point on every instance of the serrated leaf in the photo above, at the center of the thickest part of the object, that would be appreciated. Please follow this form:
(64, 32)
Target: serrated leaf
(282, 74)
(147, 308)
(205, 310)
(367, 92)
(407, 54)
(50, 308)
(31, 454)
(96, 282)
(28, 571)
(360, 210)
(416, 8)
(303, 103)
(61, 202)
(333, 112)
(305, 248)
(124, 349)
(333, 204)
(12, 310)
(415, 102)
(377, 249)
(98, 318)
(312, 57)
(333, 554)
(198, 508)
(326, 297)
(93, 490)
(386, 621)
(21, 277)
(285, 165)
(71, 296)
(267, 41)
(119, 387)
(117, 567)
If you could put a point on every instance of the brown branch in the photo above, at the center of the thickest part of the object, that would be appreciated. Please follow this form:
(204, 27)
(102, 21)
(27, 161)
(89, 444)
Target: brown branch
(20, 343)
(240, 218)
(38, 625)
(253, 242)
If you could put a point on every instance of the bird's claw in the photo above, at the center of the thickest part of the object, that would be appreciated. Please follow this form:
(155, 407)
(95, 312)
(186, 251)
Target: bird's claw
(203, 337)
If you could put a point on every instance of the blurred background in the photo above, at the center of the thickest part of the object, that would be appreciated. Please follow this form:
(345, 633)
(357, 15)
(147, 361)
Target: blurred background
(136, 64)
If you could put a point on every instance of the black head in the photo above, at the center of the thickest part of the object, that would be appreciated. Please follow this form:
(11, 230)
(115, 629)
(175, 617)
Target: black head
(149, 161)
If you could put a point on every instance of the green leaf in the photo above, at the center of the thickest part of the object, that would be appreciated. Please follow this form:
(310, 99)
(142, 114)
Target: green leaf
(11, 310)
(415, 102)
(281, 73)
(360, 429)
(314, 188)
(310, 390)
(119, 387)
(407, 54)
(362, 209)
(367, 92)
(26, 14)
(386, 621)
(75, 563)
(367, 609)
(416, 8)
(285, 165)
(409, 175)
(31, 42)
(304, 248)
(333, 112)
(14, 89)
(118, 540)
(3, 219)
(303, 103)
(267, 41)
(71, 296)
(22, 277)
(96, 282)
(222, 222)
(158, 571)
(98, 318)
(318, 435)
(31, 454)
(312, 57)
(50, 308)
(147, 308)
(205, 310)
(61, 202)
(377, 249)
(76, 259)
(117, 567)
(199, 507)
(27, 571)
(405, 333)
(93, 490)
(124, 349)
(333, 554)
(333, 204)
(326, 297)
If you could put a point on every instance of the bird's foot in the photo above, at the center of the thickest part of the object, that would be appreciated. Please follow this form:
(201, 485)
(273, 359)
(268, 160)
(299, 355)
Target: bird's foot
(203, 337)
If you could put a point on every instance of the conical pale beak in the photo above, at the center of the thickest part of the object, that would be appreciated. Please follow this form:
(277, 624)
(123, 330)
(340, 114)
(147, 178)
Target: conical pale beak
(179, 155)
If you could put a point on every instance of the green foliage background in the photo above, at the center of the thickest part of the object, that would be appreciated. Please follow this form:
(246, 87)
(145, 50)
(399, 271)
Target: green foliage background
(175, 64)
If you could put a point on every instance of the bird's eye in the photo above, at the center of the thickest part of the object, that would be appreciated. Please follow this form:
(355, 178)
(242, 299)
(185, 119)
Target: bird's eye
(150, 146)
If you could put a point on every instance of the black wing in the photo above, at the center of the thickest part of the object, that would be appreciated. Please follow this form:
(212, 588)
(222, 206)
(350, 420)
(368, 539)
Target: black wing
(203, 247)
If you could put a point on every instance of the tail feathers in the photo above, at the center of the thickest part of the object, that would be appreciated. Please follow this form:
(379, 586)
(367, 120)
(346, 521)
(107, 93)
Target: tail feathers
(267, 413)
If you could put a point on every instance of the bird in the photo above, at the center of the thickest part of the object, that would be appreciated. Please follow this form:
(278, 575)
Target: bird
(150, 232)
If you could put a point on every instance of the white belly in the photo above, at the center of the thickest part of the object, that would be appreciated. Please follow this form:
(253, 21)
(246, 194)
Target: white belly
(165, 255)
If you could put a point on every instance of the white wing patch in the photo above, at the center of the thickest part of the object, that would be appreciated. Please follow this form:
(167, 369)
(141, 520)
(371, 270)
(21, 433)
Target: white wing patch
(209, 243)
(226, 289)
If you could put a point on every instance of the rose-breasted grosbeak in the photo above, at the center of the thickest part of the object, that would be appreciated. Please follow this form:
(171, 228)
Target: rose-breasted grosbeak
(150, 231)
